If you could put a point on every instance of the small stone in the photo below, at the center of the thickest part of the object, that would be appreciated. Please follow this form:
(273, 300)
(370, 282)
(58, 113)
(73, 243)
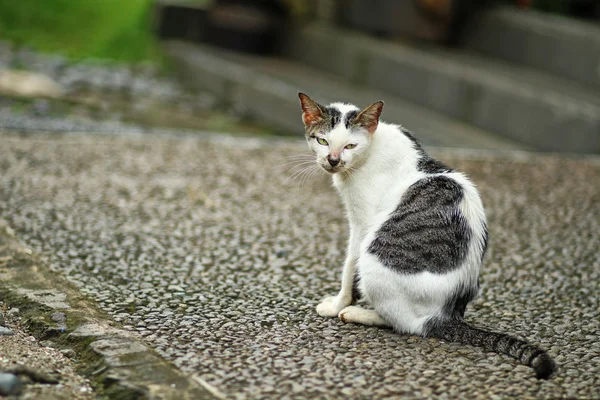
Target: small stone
(307, 361)
(282, 253)
(59, 318)
(10, 384)
(5, 331)
(34, 375)
(29, 84)
(41, 107)
(69, 353)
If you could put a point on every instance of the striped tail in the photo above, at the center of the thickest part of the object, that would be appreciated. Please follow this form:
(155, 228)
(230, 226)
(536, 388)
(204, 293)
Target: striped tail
(457, 330)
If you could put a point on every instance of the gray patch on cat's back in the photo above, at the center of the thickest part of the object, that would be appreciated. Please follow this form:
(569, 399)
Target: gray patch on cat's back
(412, 138)
(430, 165)
(485, 239)
(427, 231)
(426, 163)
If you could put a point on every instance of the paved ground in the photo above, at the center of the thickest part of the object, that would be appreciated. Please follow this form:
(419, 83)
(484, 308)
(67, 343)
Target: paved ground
(208, 250)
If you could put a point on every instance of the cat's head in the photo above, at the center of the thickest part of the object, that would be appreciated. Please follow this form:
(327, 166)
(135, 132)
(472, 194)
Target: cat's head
(340, 134)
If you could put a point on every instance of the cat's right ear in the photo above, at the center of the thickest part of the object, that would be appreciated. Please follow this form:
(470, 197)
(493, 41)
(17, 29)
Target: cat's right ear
(311, 111)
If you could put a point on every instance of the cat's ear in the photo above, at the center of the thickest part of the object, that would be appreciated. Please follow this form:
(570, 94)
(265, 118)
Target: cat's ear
(369, 117)
(311, 111)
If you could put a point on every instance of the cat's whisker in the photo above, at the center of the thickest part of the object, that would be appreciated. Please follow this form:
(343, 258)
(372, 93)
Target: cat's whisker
(308, 175)
(303, 159)
(293, 163)
(296, 174)
(296, 171)
(296, 160)
(300, 156)
(300, 176)
(319, 171)
(351, 172)
(305, 176)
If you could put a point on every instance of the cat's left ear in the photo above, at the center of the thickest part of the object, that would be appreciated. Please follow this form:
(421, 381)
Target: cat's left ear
(311, 111)
(369, 117)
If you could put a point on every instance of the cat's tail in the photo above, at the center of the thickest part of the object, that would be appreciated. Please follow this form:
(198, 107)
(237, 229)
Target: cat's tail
(457, 330)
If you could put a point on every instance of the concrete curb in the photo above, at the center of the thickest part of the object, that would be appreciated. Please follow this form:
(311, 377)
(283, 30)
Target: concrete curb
(238, 86)
(118, 364)
(548, 42)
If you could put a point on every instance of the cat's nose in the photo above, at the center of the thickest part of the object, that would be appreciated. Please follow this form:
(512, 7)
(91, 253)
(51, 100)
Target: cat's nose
(333, 161)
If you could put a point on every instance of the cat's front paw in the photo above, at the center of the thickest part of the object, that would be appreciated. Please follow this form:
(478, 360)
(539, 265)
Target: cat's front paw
(330, 306)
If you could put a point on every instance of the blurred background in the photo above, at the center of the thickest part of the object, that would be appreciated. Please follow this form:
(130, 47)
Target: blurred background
(504, 74)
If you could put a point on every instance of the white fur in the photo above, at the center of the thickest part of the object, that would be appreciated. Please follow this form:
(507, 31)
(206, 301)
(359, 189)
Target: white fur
(371, 181)
(362, 316)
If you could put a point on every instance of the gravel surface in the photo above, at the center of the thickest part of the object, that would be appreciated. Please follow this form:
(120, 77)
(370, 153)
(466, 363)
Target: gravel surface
(208, 250)
(27, 359)
(27, 123)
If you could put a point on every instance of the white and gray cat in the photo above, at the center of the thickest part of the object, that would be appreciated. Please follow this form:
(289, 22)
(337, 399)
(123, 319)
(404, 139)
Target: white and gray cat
(418, 232)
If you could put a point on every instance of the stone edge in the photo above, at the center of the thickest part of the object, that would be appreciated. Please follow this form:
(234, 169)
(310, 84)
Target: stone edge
(454, 86)
(540, 40)
(272, 99)
(118, 364)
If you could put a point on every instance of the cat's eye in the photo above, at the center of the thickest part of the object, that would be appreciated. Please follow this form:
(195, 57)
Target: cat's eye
(322, 141)
(350, 146)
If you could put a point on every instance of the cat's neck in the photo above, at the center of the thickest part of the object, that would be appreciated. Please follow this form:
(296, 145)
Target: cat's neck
(386, 171)
(391, 154)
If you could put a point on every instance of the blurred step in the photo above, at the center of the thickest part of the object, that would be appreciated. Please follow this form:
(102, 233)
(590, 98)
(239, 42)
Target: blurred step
(267, 88)
(559, 45)
(521, 104)
(179, 19)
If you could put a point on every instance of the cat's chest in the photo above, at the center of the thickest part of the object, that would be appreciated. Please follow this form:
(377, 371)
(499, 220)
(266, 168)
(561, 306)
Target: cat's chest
(373, 198)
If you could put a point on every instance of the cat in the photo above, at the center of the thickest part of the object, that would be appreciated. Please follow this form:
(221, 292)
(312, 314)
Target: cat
(418, 232)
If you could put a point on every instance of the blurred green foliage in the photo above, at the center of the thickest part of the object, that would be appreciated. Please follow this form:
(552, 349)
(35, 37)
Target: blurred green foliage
(105, 29)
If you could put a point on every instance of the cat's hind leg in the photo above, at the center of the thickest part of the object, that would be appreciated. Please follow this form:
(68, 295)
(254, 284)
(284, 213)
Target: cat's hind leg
(359, 315)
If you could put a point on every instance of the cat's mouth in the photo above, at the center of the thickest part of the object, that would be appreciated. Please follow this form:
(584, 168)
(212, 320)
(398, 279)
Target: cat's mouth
(332, 170)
